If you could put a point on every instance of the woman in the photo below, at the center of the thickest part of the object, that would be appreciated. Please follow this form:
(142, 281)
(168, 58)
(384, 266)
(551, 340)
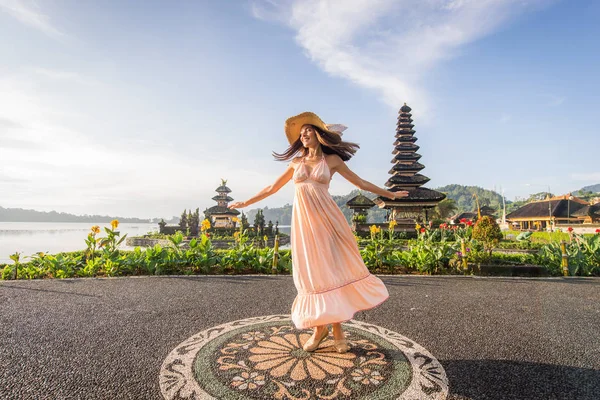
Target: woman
(330, 276)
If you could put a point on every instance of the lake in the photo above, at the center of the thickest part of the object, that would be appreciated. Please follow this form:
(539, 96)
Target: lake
(29, 238)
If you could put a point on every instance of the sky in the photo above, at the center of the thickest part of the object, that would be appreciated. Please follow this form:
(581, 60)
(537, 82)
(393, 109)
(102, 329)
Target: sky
(139, 109)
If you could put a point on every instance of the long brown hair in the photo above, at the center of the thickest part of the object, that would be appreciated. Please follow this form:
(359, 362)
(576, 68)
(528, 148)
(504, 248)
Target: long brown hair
(331, 143)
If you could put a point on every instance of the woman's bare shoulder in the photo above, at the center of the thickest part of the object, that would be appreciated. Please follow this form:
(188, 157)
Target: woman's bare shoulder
(334, 159)
(295, 160)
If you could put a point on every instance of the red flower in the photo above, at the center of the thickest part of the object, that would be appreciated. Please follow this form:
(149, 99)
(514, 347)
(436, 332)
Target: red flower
(570, 229)
(469, 223)
(443, 226)
(422, 230)
(463, 220)
(597, 230)
(208, 235)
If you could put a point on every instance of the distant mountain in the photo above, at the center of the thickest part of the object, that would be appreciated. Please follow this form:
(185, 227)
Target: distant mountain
(591, 188)
(284, 214)
(463, 196)
(21, 215)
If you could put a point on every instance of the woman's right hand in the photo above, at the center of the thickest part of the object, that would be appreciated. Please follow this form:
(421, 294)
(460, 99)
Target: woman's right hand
(239, 204)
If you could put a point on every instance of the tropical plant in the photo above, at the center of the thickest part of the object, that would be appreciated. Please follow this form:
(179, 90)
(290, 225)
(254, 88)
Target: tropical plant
(488, 232)
(112, 241)
(445, 208)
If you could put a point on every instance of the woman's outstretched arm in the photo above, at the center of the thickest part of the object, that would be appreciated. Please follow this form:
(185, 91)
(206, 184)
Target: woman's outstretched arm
(340, 167)
(269, 190)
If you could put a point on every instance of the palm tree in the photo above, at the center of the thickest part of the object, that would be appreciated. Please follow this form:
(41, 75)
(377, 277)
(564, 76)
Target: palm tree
(445, 208)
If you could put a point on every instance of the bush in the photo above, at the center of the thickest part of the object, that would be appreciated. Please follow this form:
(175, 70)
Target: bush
(488, 232)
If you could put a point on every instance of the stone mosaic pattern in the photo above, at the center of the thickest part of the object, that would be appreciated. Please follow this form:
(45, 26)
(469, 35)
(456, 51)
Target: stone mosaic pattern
(262, 358)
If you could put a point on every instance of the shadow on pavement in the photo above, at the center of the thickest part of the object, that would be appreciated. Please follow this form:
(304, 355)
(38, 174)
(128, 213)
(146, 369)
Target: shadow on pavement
(558, 280)
(503, 379)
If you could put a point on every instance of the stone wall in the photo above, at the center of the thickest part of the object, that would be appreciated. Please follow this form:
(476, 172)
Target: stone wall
(219, 244)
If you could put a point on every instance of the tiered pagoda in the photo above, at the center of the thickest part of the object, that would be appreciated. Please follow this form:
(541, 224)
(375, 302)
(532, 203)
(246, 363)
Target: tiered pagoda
(405, 175)
(220, 215)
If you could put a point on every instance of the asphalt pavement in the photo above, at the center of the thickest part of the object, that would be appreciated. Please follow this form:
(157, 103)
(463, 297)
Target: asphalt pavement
(106, 338)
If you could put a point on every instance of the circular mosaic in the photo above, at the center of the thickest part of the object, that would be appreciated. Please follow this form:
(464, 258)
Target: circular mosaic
(262, 358)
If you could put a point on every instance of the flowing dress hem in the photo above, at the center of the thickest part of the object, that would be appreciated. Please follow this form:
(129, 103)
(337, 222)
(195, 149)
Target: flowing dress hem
(339, 304)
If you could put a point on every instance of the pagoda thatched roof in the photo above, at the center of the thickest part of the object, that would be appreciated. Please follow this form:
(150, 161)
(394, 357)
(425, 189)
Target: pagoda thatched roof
(416, 195)
(407, 157)
(416, 179)
(217, 210)
(486, 210)
(405, 147)
(468, 215)
(472, 215)
(400, 133)
(223, 189)
(557, 208)
(222, 198)
(592, 211)
(415, 166)
(360, 201)
(405, 139)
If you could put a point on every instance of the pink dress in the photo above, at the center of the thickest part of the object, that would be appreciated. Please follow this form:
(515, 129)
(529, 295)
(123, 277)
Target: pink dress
(332, 280)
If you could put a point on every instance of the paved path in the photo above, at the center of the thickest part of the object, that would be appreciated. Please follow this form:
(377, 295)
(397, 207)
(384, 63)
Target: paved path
(497, 338)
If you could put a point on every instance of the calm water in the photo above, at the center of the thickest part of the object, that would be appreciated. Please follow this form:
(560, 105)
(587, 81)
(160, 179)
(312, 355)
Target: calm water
(52, 237)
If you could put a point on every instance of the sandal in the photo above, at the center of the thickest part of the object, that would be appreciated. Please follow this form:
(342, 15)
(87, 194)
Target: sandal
(341, 345)
(315, 343)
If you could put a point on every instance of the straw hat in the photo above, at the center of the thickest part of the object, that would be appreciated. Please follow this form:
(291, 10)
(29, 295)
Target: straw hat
(294, 124)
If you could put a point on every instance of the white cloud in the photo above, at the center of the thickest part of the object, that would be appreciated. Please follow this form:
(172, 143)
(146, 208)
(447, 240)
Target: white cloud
(29, 13)
(59, 150)
(389, 45)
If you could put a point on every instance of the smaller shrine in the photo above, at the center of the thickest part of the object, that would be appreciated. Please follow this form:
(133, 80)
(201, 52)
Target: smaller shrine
(473, 215)
(360, 205)
(221, 216)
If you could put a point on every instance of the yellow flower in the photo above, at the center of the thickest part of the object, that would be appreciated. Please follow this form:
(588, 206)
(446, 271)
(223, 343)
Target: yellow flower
(41, 254)
(205, 225)
(114, 223)
(393, 223)
(373, 229)
(418, 227)
(236, 234)
(266, 238)
(235, 219)
(95, 229)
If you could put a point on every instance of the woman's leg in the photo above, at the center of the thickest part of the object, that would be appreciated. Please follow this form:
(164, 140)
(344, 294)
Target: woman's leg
(319, 333)
(338, 332)
(339, 340)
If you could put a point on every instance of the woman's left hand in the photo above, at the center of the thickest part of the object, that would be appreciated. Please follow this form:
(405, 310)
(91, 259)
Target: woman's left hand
(400, 194)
